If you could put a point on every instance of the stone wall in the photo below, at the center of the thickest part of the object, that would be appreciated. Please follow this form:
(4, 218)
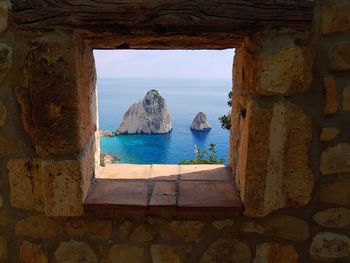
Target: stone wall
(290, 152)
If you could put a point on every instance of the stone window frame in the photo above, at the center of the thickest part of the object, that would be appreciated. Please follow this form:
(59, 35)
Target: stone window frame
(57, 179)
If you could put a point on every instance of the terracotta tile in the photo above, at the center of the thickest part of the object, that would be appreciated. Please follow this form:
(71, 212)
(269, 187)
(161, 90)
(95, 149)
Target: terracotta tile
(204, 172)
(164, 194)
(164, 172)
(208, 194)
(118, 193)
(125, 171)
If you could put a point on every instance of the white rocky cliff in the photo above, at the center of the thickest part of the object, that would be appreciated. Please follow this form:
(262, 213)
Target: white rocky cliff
(200, 123)
(149, 116)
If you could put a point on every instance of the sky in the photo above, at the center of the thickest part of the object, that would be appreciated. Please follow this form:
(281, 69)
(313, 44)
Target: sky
(164, 64)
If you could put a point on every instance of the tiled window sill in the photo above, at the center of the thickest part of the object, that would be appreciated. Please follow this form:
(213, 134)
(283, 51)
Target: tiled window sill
(192, 188)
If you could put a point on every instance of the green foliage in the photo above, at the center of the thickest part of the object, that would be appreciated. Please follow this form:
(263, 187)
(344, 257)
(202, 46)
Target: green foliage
(225, 120)
(205, 156)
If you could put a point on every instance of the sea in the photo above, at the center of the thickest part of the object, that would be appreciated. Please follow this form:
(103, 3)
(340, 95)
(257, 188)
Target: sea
(184, 99)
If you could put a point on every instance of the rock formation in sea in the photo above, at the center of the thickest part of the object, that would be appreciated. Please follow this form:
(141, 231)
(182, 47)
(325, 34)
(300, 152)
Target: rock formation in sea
(107, 159)
(149, 116)
(104, 133)
(200, 123)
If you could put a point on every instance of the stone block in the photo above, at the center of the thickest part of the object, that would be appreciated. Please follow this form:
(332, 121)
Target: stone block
(227, 251)
(181, 230)
(220, 224)
(283, 66)
(62, 188)
(25, 184)
(165, 253)
(124, 253)
(339, 57)
(93, 229)
(75, 251)
(333, 218)
(335, 17)
(336, 159)
(3, 249)
(272, 170)
(274, 252)
(39, 227)
(329, 133)
(125, 229)
(62, 100)
(331, 99)
(337, 193)
(8, 146)
(3, 113)
(346, 99)
(141, 233)
(281, 226)
(4, 6)
(330, 246)
(32, 253)
(5, 57)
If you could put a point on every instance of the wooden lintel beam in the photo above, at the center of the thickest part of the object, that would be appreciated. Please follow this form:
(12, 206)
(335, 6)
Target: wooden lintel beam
(162, 23)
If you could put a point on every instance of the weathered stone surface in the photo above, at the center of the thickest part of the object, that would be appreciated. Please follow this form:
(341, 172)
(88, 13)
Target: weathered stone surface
(75, 251)
(1, 201)
(62, 100)
(282, 226)
(337, 193)
(329, 133)
(182, 230)
(339, 57)
(333, 218)
(3, 114)
(141, 233)
(272, 169)
(335, 17)
(330, 246)
(165, 253)
(283, 66)
(220, 224)
(4, 219)
(336, 159)
(8, 146)
(275, 253)
(331, 104)
(3, 249)
(125, 230)
(32, 253)
(39, 227)
(5, 57)
(62, 188)
(124, 253)
(346, 99)
(94, 229)
(3, 14)
(227, 251)
(25, 184)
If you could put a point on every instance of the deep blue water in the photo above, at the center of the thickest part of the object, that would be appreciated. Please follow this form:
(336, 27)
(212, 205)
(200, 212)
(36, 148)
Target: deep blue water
(184, 98)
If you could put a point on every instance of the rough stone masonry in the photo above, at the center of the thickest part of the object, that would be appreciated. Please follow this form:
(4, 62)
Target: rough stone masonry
(289, 142)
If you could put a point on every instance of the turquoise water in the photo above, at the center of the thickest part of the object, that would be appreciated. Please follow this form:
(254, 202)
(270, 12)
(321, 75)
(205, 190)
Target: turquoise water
(184, 98)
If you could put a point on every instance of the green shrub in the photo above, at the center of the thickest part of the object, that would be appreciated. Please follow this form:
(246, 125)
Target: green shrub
(205, 156)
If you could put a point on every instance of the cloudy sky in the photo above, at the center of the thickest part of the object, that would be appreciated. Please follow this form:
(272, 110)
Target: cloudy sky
(165, 64)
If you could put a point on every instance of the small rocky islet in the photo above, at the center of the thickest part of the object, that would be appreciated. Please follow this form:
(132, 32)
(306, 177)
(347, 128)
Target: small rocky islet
(151, 116)
(200, 123)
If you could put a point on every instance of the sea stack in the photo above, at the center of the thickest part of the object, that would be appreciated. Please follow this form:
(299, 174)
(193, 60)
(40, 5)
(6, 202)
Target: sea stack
(149, 116)
(200, 123)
